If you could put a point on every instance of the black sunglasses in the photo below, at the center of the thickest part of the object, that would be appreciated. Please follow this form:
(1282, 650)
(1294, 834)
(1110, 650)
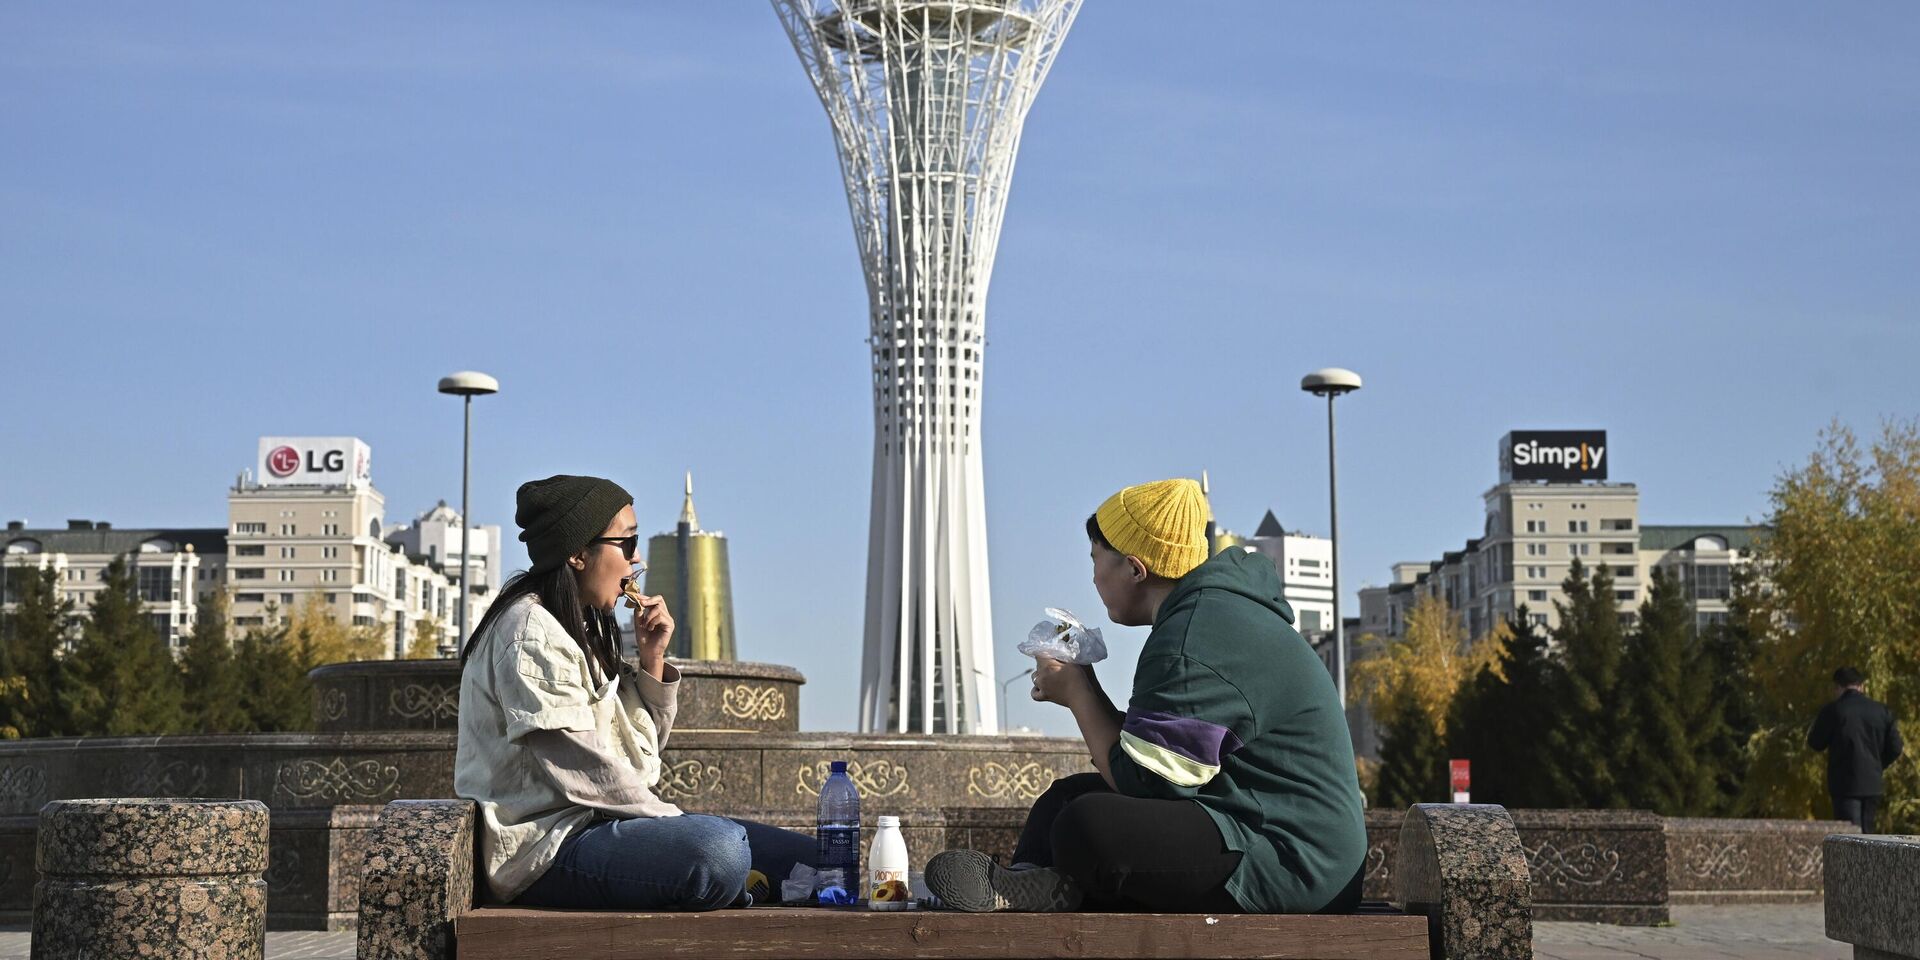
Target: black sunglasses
(629, 546)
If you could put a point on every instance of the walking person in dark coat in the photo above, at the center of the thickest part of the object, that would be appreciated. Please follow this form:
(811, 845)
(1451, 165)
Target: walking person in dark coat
(1861, 740)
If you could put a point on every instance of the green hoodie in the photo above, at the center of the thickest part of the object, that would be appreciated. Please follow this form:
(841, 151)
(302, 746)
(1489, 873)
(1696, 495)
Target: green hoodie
(1233, 710)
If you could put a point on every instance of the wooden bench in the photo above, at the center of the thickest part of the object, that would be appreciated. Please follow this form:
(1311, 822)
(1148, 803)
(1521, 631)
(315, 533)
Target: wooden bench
(1463, 892)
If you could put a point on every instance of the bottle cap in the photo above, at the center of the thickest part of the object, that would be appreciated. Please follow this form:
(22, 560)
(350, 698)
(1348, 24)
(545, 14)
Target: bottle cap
(886, 822)
(839, 766)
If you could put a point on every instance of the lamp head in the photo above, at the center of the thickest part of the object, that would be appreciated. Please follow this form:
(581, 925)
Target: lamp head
(1330, 382)
(467, 383)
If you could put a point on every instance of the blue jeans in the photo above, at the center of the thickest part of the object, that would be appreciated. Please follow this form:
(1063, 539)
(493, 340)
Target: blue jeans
(689, 862)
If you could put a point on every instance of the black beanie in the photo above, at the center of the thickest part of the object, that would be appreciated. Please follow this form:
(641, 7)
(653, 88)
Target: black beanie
(559, 515)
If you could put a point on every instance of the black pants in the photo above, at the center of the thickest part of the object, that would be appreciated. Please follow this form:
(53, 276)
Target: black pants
(1162, 856)
(1860, 810)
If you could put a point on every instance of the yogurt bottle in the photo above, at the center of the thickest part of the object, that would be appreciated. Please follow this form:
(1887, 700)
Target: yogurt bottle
(887, 867)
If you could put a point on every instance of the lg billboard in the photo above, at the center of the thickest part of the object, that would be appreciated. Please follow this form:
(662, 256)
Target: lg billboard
(314, 462)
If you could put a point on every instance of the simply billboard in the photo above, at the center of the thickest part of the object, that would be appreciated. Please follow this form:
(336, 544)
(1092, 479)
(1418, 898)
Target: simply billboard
(1556, 456)
(314, 462)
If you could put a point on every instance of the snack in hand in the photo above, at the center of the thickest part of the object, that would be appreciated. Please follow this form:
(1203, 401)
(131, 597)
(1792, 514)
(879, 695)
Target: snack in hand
(631, 591)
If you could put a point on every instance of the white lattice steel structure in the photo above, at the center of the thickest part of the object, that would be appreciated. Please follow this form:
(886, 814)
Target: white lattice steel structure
(927, 99)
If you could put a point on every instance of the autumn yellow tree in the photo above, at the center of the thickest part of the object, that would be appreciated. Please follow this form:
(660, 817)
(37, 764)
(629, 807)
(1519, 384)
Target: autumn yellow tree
(425, 644)
(315, 636)
(1411, 687)
(1838, 584)
(1428, 665)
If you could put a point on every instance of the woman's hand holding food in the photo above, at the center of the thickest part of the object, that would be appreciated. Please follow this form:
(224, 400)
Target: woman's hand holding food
(652, 628)
(1061, 683)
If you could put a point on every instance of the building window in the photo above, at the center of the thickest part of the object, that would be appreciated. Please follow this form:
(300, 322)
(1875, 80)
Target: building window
(1536, 526)
(1625, 573)
(250, 574)
(286, 553)
(1536, 549)
(249, 528)
(286, 576)
(1712, 581)
(249, 598)
(1579, 549)
(1539, 619)
(329, 553)
(156, 584)
(1537, 573)
(286, 599)
(330, 576)
(1617, 523)
(361, 620)
(1536, 596)
(1310, 620)
(286, 529)
(249, 621)
(1624, 596)
(1576, 526)
(250, 550)
(333, 598)
(329, 529)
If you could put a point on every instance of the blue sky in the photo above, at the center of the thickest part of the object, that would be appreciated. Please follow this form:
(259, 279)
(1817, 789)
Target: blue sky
(1690, 225)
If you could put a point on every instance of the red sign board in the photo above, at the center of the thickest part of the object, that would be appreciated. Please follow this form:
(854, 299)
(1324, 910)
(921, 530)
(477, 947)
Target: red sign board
(1459, 773)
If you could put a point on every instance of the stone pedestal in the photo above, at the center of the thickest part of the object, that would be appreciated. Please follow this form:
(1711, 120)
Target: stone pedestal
(137, 878)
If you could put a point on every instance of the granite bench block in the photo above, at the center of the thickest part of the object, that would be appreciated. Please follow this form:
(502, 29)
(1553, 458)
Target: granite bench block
(151, 878)
(1462, 866)
(1873, 894)
(418, 877)
(1711, 861)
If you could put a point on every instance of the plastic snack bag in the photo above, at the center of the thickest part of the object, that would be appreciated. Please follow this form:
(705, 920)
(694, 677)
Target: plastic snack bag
(1061, 636)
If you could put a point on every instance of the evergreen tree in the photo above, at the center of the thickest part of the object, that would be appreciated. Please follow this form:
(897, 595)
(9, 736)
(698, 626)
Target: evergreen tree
(121, 680)
(35, 629)
(1413, 761)
(1727, 652)
(1661, 772)
(210, 675)
(274, 692)
(1499, 717)
(1593, 733)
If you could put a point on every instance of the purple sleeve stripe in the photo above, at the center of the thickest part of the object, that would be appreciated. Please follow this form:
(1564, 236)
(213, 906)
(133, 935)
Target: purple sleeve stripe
(1195, 739)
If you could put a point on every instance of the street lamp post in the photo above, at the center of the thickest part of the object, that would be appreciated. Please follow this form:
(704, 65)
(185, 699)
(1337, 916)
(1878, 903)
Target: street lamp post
(1003, 698)
(1330, 383)
(466, 385)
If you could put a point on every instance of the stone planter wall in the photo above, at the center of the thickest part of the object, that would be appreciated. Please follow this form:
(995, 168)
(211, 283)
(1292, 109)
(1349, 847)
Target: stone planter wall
(1629, 867)
(324, 789)
(378, 695)
(1747, 861)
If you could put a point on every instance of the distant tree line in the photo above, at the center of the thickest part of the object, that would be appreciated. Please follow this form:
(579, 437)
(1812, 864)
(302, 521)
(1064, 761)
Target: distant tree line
(107, 672)
(1658, 714)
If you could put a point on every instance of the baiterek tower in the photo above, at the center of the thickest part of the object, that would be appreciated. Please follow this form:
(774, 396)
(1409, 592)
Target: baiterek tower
(927, 100)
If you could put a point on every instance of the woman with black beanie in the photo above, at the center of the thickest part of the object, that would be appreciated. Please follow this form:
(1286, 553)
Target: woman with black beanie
(560, 738)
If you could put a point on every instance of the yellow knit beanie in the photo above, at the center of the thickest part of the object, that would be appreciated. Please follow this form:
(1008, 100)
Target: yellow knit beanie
(1164, 523)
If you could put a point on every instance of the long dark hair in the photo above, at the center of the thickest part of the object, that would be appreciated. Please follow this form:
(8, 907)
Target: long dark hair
(598, 634)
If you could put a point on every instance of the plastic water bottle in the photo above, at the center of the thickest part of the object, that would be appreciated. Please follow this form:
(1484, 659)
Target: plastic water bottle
(838, 833)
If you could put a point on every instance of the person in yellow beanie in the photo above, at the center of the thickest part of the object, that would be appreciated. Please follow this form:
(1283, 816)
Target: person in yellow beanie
(1227, 785)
